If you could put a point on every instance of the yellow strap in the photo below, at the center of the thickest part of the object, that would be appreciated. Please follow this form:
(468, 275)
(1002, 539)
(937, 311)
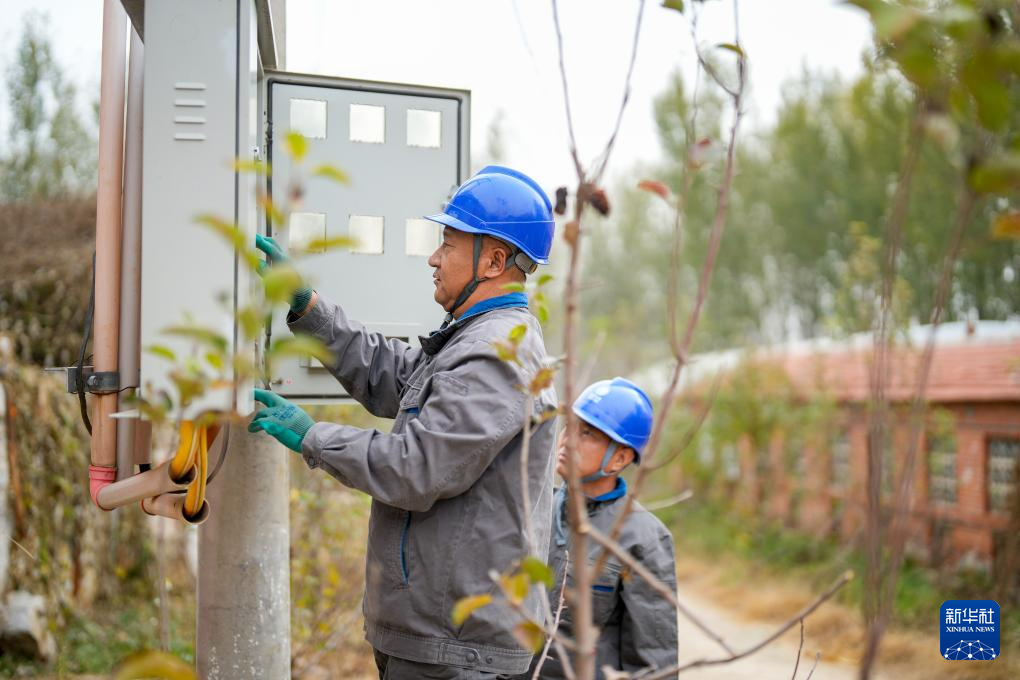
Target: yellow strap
(185, 456)
(196, 490)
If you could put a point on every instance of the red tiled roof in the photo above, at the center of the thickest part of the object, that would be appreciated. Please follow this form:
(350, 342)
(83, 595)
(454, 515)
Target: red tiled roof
(965, 372)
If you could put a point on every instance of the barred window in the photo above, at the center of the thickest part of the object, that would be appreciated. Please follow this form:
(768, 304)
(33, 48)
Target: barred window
(1002, 460)
(840, 451)
(941, 468)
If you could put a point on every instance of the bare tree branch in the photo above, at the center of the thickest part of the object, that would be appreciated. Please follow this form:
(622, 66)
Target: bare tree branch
(604, 156)
(669, 502)
(653, 582)
(798, 617)
(898, 526)
(695, 427)
(556, 626)
(529, 525)
(566, 92)
(800, 648)
(680, 352)
(818, 655)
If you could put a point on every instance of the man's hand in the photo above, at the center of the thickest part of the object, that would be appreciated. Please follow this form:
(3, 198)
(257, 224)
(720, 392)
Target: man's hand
(282, 419)
(275, 255)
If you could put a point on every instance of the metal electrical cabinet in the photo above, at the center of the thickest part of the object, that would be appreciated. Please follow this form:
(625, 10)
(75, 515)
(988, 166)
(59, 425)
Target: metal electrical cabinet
(212, 96)
(405, 150)
(200, 112)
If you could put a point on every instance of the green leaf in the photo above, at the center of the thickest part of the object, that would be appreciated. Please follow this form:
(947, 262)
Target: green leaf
(153, 664)
(542, 380)
(1007, 226)
(250, 319)
(514, 287)
(296, 145)
(998, 175)
(233, 235)
(331, 172)
(201, 335)
(732, 48)
(244, 367)
(257, 167)
(161, 351)
(321, 245)
(505, 351)
(215, 360)
(266, 203)
(517, 333)
(991, 96)
(542, 312)
(893, 22)
(919, 64)
(300, 346)
(538, 571)
(281, 282)
(677, 5)
(530, 635)
(466, 606)
(1007, 55)
(229, 231)
(544, 279)
(515, 587)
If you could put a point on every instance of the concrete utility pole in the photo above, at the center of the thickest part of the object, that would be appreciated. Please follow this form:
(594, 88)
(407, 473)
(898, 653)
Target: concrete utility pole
(244, 564)
(243, 598)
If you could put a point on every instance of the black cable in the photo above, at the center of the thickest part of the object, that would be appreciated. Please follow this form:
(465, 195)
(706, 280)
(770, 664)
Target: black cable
(86, 334)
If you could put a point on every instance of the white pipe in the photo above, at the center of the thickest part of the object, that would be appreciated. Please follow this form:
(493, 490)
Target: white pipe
(172, 505)
(143, 485)
(106, 323)
(131, 264)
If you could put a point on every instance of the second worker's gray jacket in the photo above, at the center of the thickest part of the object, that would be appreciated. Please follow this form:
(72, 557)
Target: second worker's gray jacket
(637, 626)
(447, 502)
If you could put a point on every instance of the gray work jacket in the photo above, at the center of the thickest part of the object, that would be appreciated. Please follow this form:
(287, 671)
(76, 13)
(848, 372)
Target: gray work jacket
(638, 628)
(445, 482)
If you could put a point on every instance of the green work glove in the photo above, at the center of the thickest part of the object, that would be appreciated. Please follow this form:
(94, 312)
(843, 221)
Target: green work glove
(282, 419)
(277, 255)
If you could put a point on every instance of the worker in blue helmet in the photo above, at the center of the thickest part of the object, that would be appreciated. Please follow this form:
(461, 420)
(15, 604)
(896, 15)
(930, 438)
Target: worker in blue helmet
(501, 216)
(445, 481)
(637, 626)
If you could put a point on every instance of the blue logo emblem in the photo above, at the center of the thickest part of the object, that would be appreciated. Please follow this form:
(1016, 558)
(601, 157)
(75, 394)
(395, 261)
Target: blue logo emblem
(970, 630)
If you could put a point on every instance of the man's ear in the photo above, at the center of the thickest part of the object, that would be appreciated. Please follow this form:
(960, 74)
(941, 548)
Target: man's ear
(498, 261)
(623, 457)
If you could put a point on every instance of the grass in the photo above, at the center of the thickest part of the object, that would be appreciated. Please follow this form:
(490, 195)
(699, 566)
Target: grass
(767, 572)
(96, 642)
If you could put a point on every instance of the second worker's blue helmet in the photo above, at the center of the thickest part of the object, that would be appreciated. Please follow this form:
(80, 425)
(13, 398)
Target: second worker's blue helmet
(619, 408)
(505, 204)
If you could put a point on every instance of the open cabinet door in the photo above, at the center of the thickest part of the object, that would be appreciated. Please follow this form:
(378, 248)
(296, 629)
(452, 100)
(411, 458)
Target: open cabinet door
(405, 149)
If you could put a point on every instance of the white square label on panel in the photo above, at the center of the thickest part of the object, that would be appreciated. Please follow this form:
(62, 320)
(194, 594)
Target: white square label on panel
(422, 237)
(308, 116)
(423, 128)
(368, 123)
(305, 229)
(367, 233)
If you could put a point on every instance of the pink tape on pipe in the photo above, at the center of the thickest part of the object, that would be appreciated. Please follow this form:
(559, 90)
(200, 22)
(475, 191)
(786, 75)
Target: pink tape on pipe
(100, 476)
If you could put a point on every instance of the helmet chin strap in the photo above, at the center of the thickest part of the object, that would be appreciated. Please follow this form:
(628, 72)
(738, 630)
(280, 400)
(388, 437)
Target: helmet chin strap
(601, 472)
(519, 259)
(472, 284)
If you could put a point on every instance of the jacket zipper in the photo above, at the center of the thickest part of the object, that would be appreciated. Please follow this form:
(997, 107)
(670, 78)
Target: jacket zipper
(403, 548)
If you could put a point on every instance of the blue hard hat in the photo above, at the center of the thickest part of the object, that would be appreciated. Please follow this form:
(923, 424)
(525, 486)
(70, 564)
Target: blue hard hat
(505, 204)
(619, 408)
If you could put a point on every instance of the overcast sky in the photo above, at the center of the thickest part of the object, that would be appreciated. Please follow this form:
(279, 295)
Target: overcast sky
(504, 51)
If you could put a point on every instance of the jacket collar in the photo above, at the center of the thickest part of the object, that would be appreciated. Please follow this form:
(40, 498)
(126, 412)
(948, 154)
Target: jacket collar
(593, 504)
(432, 343)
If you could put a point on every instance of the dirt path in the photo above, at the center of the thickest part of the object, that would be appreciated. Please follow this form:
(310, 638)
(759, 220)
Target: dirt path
(774, 662)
